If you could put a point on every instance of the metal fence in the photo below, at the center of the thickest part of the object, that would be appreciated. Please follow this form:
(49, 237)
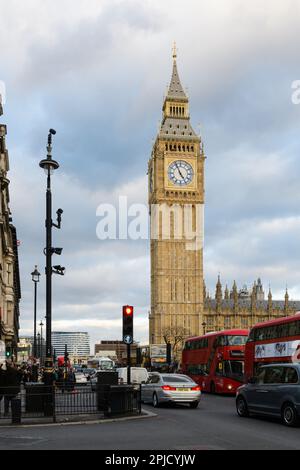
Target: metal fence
(79, 400)
(36, 402)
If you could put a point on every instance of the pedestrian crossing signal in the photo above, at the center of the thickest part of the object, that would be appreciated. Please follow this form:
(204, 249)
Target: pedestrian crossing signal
(128, 314)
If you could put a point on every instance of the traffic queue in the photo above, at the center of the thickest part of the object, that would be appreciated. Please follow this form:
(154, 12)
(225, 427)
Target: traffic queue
(260, 367)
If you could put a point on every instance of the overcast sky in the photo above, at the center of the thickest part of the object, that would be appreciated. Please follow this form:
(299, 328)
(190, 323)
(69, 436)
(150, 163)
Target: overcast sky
(97, 71)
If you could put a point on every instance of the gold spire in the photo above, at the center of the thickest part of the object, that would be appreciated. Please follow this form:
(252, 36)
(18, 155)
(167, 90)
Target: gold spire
(174, 51)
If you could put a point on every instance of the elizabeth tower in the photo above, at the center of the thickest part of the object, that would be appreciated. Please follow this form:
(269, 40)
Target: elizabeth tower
(176, 184)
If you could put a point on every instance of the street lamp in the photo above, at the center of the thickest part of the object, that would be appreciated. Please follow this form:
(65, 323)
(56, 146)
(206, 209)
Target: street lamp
(204, 325)
(49, 166)
(36, 279)
(41, 336)
(39, 345)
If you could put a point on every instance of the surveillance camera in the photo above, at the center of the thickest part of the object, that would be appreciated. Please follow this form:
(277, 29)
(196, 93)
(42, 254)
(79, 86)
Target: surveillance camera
(52, 131)
(59, 270)
(57, 251)
(60, 211)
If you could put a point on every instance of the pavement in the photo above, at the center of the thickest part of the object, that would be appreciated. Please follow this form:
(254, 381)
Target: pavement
(213, 426)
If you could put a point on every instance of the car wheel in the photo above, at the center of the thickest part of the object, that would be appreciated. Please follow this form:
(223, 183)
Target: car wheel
(242, 407)
(289, 415)
(194, 405)
(155, 401)
(212, 388)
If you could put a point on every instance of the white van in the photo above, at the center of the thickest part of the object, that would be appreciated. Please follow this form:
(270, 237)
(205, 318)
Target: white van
(139, 375)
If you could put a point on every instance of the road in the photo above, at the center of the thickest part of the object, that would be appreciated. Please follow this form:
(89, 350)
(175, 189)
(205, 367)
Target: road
(213, 426)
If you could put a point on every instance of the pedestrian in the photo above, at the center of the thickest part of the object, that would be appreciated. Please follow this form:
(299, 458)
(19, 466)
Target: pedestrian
(60, 380)
(71, 380)
(2, 382)
(24, 375)
(13, 379)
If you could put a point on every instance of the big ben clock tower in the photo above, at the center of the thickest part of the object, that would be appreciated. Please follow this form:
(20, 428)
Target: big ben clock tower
(176, 194)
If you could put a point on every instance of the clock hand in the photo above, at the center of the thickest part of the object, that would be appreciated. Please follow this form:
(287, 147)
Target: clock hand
(179, 171)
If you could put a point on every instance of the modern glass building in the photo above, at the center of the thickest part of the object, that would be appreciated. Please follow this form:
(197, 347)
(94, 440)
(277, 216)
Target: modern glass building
(78, 343)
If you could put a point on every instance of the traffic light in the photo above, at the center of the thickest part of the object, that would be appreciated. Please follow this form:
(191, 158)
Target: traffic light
(169, 354)
(128, 312)
(8, 353)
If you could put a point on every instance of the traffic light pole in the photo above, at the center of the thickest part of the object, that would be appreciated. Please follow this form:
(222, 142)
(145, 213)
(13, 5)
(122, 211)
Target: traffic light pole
(128, 364)
(128, 313)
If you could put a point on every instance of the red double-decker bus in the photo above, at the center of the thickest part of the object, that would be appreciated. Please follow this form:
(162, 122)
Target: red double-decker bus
(272, 342)
(216, 361)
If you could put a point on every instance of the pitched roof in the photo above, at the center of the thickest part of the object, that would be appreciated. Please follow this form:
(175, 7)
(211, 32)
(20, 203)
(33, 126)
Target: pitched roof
(176, 90)
(177, 128)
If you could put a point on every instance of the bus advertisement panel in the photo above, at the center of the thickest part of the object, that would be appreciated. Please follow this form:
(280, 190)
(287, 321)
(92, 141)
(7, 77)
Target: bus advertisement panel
(158, 356)
(272, 342)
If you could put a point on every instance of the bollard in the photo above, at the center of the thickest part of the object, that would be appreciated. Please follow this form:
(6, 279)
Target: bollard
(16, 411)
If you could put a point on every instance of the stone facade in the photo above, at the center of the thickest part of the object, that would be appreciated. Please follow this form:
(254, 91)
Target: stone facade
(10, 292)
(243, 308)
(176, 189)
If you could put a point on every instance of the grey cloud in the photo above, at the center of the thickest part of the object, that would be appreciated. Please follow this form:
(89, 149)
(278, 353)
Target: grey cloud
(99, 80)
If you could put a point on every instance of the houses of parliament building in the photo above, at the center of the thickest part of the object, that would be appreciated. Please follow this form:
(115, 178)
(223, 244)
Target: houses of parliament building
(243, 308)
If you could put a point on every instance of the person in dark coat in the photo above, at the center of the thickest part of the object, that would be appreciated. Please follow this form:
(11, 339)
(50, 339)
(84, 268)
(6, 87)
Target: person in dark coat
(71, 380)
(13, 379)
(2, 382)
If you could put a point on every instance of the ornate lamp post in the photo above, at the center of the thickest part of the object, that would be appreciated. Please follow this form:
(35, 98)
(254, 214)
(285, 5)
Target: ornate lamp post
(204, 325)
(39, 345)
(36, 279)
(49, 166)
(41, 339)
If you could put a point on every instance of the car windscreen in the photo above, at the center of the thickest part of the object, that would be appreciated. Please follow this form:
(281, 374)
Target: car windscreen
(175, 379)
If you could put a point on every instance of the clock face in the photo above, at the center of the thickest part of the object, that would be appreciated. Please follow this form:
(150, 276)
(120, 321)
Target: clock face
(181, 173)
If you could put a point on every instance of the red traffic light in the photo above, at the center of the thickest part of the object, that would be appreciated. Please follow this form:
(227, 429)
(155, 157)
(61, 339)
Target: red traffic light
(128, 311)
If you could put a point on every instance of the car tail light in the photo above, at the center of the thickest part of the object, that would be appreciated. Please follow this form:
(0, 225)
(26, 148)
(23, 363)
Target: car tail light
(196, 389)
(167, 388)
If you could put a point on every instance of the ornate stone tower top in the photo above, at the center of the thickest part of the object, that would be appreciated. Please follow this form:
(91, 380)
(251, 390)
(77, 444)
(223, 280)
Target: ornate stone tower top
(286, 300)
(270, 300)
(219, 294)
(176, 117)
(226, 294)
(176, 91)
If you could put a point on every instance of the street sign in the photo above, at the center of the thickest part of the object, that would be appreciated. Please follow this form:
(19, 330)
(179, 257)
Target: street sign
(128, 339)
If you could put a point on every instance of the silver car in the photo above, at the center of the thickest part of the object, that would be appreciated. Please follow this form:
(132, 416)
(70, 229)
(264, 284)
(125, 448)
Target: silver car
(170, 388)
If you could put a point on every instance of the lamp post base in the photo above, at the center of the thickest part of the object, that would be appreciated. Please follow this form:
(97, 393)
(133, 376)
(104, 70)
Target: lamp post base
(48, 379)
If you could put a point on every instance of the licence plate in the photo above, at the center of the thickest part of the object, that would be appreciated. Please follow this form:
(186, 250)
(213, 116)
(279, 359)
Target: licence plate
(183, 389)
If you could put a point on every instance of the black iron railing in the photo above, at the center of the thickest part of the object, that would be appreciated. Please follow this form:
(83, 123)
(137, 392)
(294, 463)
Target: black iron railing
(36, 401)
